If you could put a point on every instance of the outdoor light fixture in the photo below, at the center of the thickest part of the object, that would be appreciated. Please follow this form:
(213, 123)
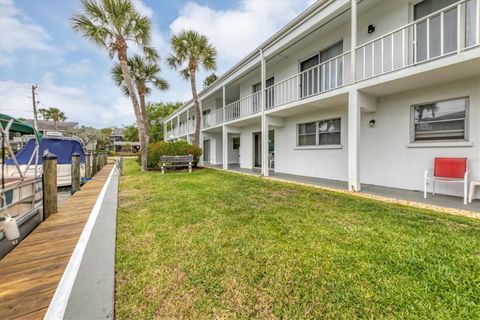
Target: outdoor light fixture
(371, 123)
(371, 28)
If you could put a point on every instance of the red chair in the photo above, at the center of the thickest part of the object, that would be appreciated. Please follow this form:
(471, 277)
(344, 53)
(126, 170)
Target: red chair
(452, 170)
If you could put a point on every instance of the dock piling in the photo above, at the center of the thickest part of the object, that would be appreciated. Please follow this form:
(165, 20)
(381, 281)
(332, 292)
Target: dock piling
(49, 184)
(75, 172)
(88, 165)
(94, 163)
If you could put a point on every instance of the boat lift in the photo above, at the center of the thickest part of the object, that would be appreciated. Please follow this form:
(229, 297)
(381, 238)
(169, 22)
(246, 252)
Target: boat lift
(20, 196)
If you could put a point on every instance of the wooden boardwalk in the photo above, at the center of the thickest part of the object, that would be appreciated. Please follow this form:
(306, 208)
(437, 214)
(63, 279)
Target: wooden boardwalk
(29, 275)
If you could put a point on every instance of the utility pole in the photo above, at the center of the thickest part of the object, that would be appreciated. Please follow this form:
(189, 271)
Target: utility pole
(34, 87)
(35, 124)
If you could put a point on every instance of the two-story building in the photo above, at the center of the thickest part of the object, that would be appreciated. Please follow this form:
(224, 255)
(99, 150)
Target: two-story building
(119, 144)
(364, 92)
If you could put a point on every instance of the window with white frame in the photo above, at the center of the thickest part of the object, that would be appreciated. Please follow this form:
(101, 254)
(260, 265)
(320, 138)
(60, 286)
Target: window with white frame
(320, 133)
(440, 121)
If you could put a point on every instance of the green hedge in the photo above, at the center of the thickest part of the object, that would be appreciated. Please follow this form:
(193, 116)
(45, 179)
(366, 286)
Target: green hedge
(177, 148)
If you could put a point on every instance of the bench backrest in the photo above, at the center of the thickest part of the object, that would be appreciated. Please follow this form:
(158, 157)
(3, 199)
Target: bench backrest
(177, 159)
(450, 167)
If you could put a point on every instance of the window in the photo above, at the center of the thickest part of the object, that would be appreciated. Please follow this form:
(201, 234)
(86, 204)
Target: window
(324, 132)
(329, 132)
(440, 121)
(306, 134)
(236, 143)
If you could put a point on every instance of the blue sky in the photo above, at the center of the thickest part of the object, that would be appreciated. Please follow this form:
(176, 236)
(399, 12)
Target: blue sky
(38, 45)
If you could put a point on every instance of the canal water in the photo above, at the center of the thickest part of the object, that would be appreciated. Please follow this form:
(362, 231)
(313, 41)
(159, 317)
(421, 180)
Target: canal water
(62, 195)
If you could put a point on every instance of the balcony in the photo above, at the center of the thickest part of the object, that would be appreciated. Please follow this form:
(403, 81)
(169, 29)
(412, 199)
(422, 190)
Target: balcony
(329, 75)
(450, 31)
(191, 126)
(212, 119)
(244, 107)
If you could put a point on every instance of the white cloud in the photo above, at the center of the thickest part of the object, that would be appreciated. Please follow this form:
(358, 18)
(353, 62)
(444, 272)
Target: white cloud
(142, 8)
(79, 68)
(18, 31)
(237, 32)
(114, 109)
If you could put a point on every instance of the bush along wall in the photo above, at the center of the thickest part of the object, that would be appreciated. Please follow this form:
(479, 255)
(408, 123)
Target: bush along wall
(177, 148)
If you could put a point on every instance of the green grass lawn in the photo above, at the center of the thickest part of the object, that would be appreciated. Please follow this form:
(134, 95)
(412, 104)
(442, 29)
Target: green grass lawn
(214, 244)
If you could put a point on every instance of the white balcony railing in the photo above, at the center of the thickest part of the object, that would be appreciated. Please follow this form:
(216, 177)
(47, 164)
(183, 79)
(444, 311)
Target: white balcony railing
(246, 106)
(448, 31)
(212, 119)
(329, 75)
(191, 126)
(183, 128)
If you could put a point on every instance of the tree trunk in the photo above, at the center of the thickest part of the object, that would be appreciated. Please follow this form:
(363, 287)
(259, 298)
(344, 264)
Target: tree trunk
(145, 138)
(56, 125)
(143, 108)
(122, 57)
(198, 119)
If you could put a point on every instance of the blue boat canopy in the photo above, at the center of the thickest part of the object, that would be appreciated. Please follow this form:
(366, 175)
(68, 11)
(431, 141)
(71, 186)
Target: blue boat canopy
(62, 148)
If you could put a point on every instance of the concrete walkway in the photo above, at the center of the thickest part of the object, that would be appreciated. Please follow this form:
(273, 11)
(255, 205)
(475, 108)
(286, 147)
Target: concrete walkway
(95, 282)
(438, 200)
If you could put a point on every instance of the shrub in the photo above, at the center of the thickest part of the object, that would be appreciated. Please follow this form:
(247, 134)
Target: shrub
(177, 148)
(111, 153)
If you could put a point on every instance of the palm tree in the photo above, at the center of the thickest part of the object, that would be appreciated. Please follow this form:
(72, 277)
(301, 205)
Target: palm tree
(53, 114)
(56, 115)
(44, 113)
(191, 51)
(143, 72)
(112, 25)
(209, 80)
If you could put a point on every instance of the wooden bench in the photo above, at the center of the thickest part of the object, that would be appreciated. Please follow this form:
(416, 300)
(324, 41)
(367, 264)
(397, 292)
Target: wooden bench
(176, 161)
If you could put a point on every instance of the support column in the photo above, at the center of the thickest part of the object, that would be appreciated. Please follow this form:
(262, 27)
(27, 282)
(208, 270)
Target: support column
(224, 111)
(264, 138)
(165, 129)
(225, 147)
(353, 43)
(200, 144)
(354, 115)
(178, 126)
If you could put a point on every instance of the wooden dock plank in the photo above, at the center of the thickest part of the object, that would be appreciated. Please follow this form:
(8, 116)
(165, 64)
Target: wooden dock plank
(29, 275)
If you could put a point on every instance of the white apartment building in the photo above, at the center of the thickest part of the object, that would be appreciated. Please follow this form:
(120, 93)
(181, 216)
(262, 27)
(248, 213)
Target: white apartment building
(367, 92)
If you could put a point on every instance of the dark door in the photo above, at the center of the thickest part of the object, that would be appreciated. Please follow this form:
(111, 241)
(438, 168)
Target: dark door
(206, 151)
(257, 150)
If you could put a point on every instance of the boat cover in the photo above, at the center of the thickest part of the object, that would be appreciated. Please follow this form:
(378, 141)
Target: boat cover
(62, 148)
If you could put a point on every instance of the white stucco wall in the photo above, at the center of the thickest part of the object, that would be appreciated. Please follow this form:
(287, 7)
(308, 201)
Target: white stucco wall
(247, 146)
(320, 163)
(215, 146)
(385, 158)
